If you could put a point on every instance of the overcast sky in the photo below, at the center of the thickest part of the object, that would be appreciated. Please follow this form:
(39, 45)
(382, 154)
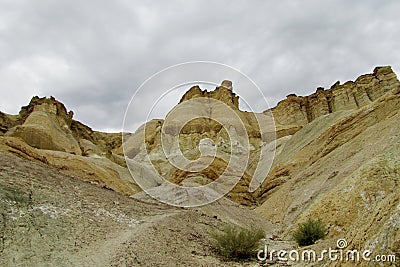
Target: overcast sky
(93, 55)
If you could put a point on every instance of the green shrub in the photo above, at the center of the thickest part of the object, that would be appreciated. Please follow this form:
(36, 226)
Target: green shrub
(309, 232)
(15, 195)
(237, 243)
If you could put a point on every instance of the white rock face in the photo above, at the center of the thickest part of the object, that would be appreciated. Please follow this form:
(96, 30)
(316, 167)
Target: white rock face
(207, 147)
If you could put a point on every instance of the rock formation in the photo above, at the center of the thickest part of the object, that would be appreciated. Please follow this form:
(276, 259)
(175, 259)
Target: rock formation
(45, 131)
(46, 125)
(5, 122)
(296, 111)
(343, 167)
(290, 115)
(222, 93)
(212, 123)
(337, 158)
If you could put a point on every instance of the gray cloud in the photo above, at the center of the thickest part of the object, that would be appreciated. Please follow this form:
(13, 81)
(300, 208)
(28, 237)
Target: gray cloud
(93, 55)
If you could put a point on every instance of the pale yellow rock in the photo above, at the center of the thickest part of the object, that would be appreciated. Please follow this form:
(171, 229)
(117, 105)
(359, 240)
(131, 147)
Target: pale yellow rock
(345, 173)
(300, 110)
(41, 131)
(90, 149)
(99, 171)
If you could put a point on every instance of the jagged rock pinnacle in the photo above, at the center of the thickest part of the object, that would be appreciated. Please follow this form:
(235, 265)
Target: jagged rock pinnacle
(222, 93)
(227, 84)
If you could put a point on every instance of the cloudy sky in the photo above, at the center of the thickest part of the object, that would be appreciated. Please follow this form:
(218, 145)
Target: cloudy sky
(93, 55)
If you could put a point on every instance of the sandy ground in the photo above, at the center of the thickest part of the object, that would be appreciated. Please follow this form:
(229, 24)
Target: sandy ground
(51, 219)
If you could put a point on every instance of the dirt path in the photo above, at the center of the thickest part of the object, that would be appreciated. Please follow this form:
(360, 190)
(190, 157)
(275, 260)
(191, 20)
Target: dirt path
(102, 253)
(48, 218)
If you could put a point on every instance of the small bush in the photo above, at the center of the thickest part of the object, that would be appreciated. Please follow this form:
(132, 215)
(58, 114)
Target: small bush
(237, 243)
(309, 232)
(16, 196)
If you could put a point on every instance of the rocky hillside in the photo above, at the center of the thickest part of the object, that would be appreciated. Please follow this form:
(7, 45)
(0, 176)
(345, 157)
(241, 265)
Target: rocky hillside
(344, 169)
(45, 131)
(337, 155)
(342, 165)
(295, 111)
(48, 218)
(68, 199)
(203, 132)
(45, 123)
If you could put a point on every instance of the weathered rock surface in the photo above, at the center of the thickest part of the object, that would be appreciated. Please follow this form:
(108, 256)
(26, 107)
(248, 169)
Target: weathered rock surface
(6, 122)
(222, 93)
(213, 120)
(337, 158)
(99, 171)
(297, 111)
(45, 123)
(40, 130)
(214, 171)
(48, 218)
(342, 168)
(106, 142)
(45, 131)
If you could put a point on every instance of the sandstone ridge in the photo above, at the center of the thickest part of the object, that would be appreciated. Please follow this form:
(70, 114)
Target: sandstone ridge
(64, 188)
(51, 118)
(45, 131)
(300, 110)
(223, 93)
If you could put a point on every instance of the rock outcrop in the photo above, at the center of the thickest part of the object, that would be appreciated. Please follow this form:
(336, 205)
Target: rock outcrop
(45, 131)
(46, 125)
(342, 168)
(290, 115)
(202, 125)
(337, 159)
(106, 142)
(6, 122)
(222, 93)
(297, 111)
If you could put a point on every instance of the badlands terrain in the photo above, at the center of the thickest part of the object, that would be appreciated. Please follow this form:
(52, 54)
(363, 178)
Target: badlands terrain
(67, 197)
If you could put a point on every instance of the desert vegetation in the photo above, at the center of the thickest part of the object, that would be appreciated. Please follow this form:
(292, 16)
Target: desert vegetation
(237, 243)
(309, 232)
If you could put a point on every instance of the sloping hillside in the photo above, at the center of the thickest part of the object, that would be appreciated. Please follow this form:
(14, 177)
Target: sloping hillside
(67, 197)
(344, 169)
(49, 218)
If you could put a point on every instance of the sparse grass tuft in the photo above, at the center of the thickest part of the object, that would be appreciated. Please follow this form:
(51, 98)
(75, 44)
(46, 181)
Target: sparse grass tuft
(16, 196)
(237, 243)
(309, 232)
